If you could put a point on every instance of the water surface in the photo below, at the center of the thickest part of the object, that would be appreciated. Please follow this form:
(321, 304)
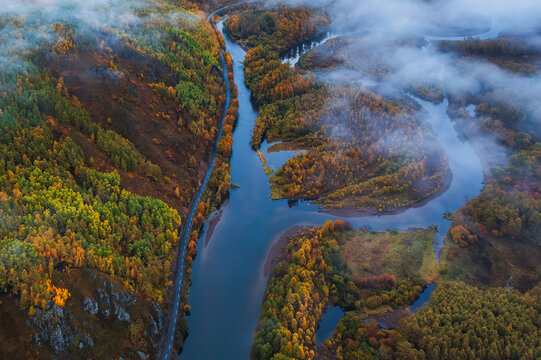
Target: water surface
(328, 322)
(295, 54)
(228, 281)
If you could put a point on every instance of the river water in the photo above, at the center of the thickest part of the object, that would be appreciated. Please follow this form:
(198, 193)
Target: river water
(228, 280)
(295, 54)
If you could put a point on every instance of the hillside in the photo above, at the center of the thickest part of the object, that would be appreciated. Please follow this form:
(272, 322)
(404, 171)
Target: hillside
(106, 131)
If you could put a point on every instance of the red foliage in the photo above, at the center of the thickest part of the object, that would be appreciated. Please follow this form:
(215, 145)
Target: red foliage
(342, 225)
(383, 281)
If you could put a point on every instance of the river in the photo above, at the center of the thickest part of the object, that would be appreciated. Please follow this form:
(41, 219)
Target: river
(227, 274)
(294, 55)
(185, 231)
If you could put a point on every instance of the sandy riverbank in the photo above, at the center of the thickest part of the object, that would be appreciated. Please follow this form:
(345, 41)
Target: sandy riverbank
(278, 249)
(214, 220)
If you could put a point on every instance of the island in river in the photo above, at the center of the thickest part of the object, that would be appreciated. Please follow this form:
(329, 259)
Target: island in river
(116, 143)
(281, 331)
(364, 151)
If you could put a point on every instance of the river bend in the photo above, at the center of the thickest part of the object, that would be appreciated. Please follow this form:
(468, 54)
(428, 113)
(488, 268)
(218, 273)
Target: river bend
(227, 275)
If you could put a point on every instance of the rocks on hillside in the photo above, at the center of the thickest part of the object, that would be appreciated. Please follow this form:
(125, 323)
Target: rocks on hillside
(156, 319)
(90, 306)
(105, 302)
(54, 326)
(122, 301)
(51, 326)
(113, 301)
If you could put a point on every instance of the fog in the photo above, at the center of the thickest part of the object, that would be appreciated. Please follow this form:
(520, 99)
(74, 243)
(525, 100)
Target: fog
(400, 16)
(376, 28)
(377, 25)
(25, 25)
(399, 35)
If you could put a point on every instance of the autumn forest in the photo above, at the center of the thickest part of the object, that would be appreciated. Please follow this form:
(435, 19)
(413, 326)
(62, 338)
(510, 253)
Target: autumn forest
(206, 179)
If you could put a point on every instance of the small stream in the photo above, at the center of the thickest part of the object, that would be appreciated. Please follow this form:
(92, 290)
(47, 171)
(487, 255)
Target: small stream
(228, 282)
(294, 55)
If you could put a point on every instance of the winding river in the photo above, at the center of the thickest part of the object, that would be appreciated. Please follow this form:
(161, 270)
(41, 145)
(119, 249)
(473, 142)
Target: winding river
(228, 279)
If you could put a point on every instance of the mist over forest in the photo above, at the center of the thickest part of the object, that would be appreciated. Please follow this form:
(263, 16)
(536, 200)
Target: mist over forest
(270, 179)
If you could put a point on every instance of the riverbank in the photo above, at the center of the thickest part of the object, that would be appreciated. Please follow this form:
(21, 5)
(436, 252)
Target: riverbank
(354, 213)
(213, 221)
(199, 210)
(278, 249)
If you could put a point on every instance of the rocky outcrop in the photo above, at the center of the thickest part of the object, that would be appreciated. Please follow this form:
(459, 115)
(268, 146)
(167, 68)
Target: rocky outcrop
(90, 306)
(121, 314)
(56, 327)
(153, 327)
(53, 326)
(121, 301)
(113, 301)
(104, 301)
(158, 316)
(156, 320)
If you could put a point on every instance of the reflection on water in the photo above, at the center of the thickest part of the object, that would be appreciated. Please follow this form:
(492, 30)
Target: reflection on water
(275, 159)
(293, 56)
(424, 296)
(328, 322)
(228, 280)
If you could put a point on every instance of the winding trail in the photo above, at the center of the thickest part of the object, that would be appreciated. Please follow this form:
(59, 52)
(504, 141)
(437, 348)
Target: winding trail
(188, 225)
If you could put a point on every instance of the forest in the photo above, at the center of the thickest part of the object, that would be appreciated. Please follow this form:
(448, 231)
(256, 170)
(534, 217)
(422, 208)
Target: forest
(336, 264)
(58, 214)
(397, 162)
(493, 241)
(461, 322)
(486, 304)
(280, 28)
(339, 265)
(298, 290)
(81, 189)
(367, 58)
(514, 55)
(494, 237)
(58, 211)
